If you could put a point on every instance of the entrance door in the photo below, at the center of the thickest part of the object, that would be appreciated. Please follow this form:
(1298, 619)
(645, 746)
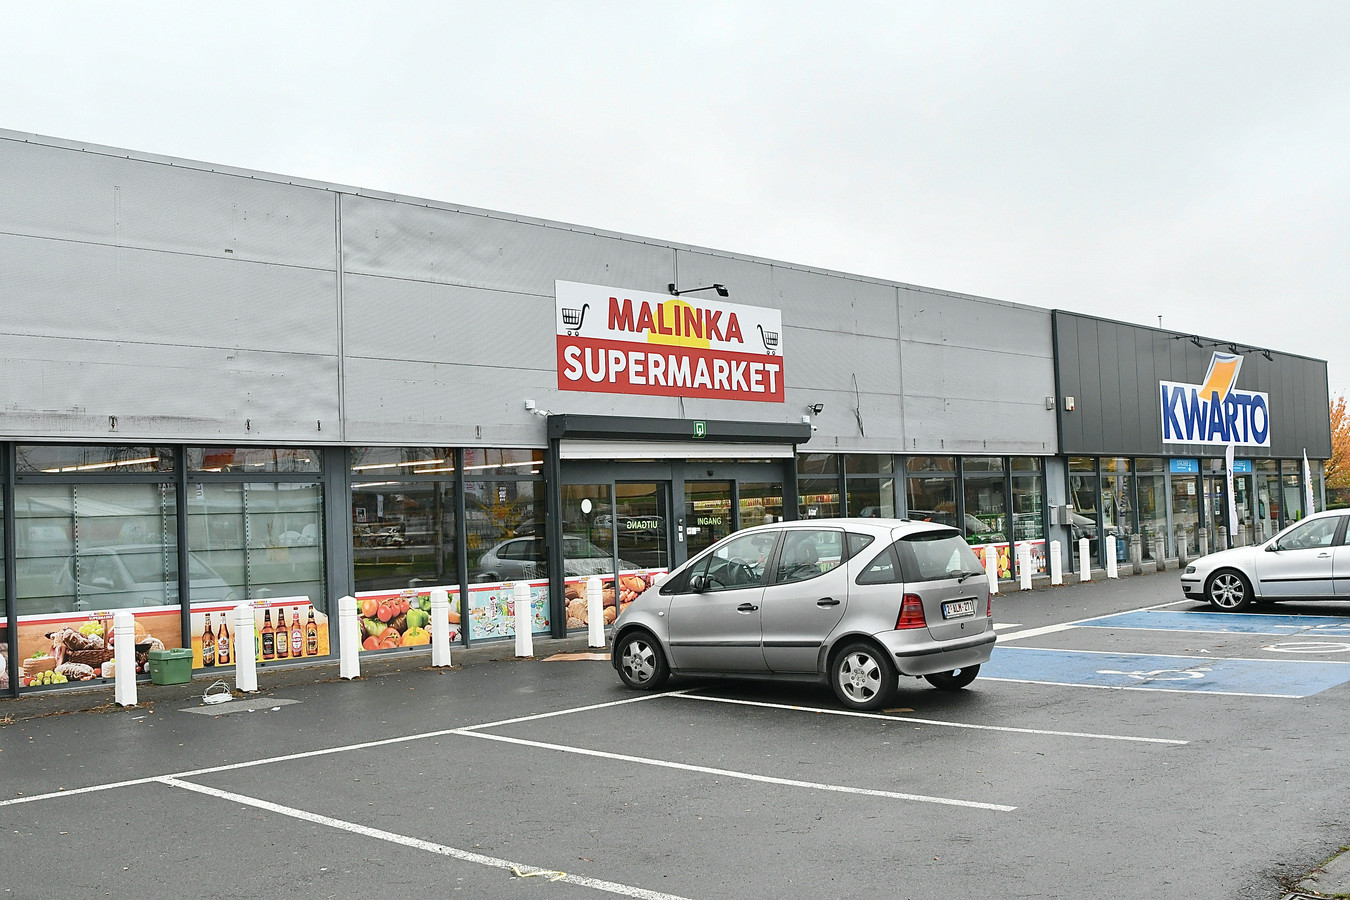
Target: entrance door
(709, 514)
(641, 524)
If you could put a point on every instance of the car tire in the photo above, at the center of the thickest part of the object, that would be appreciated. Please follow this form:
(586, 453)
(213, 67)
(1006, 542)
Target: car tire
(954, 680)
(642, 663)
(1229, 590)
(863, 677)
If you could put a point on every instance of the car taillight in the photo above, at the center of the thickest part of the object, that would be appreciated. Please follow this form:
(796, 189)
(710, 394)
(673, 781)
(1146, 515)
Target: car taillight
(911, 613)
(989, 610)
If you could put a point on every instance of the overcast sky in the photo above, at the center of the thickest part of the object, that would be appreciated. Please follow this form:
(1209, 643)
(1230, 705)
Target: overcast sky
(1189, 160)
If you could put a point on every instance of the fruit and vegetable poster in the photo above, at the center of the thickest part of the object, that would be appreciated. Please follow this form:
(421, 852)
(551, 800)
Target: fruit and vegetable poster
(1006, 560)
(283, 628)
(392, 619)
(79, 646)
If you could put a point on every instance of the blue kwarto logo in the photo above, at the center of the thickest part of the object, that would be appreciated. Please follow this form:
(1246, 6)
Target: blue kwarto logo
(1215, 412)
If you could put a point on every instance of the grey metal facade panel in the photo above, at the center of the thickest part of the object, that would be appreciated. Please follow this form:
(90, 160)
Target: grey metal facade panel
(1113, 369)
(101, 292)
(99, 197)
(831, 303)
(947, 425)
(938, 318)
(421, 243)
(829, 360)
(75, 388)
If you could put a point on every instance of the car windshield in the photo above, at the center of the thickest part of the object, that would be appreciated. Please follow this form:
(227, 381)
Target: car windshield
(935, 555)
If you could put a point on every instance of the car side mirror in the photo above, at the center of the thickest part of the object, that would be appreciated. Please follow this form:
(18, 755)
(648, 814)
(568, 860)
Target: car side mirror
(1272, 547)
(698, 583)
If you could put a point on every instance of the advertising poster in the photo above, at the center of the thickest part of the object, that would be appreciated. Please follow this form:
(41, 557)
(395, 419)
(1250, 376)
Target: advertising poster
(283, 628)
(392, 619)
(1006, 559)
(66, 647)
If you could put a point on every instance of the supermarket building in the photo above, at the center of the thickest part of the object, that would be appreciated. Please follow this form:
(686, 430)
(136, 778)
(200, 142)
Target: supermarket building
(227, 386)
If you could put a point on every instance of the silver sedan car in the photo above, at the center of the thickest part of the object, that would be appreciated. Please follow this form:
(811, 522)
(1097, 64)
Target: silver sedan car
(1309, 560)
(854, 602)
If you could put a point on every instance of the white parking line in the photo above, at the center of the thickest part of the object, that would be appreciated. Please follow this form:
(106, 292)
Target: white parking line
(1065, 626)
(888, 718)
(744, 776)
(623, 890)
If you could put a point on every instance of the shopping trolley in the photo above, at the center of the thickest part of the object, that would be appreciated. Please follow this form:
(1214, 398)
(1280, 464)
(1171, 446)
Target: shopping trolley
(572, 319)
(770, 339)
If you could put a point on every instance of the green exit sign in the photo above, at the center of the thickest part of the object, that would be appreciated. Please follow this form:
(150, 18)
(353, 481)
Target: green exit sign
(700, 429)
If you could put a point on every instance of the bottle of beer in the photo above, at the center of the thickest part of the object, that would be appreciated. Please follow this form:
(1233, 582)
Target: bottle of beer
(297, 635)
(311, 635)
(208, 644)
(282, 640)
(223, 642)
(268, 636)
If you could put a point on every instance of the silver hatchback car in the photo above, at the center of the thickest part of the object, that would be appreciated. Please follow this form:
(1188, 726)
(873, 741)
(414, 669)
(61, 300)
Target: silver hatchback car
(855, 602)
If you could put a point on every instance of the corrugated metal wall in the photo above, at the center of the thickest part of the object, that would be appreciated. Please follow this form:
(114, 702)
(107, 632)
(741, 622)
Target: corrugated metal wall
(197, 303)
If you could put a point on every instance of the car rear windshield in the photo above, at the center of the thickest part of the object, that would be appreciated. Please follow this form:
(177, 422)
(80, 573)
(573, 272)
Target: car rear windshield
(935, 556)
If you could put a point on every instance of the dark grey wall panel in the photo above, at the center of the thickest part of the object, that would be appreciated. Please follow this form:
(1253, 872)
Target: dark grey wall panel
(1113, 370)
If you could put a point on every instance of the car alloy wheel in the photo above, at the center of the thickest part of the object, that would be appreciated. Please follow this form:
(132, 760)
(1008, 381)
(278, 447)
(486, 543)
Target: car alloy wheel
(1228, 590)
(642, 665)
(863, 678)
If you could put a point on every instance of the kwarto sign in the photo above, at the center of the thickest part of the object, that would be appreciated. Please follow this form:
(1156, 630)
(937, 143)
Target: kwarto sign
(634, 342)
(1215, 412)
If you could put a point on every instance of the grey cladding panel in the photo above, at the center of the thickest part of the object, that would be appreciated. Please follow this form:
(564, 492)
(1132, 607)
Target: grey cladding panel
(69, 289)
(828, 360)
(403, 240)
(91, 196)
(830, 303)
(962, 321)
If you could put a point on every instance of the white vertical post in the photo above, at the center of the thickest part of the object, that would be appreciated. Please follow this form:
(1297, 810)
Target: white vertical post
(520, 595)
(1056, 562)
(1083, 562)
(245, 651)
(991, 568)
(1024, 565)
(1111, 570)
(440, 627)
(349, 639)
(595, 612)
(124, 656)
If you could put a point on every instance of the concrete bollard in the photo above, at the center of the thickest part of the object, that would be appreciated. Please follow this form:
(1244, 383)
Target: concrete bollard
(124, 659)
(1084, 563)
(1203, 536)
(595, 612)
(440, 627)
(1221, 537)
(520, 596)
(1056, 562)
(1136, 554)
(991, 568)
(1024, 566)
(1160, 553)
(1182, 549)
(349, 639)
(1111, 570)
(245, 651)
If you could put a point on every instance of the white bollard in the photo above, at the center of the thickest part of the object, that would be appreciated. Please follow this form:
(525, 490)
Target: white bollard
(1056, 562)
(1111, 570)
(440, 627)
(124, 659)
(1024, 565)
(245, 651)
(991, 568)
(349, 639)
(1083, 563)
(595, 612)
(520, 596)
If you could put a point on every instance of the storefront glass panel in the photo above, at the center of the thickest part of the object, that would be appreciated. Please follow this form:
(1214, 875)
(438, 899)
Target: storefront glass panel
(1293, 491)
(986, 519)
(930, 464)
(932, 499)
(1185, 504)
(869, 464)
(505, 542)
(817, 464)
(1085, 516)
(761, 503)
(254, 460)
(707, 514)
(818, 498)
(404, 535)
(76, 459)
(1117, 504)
(871, 498)
(1267, 491)
(1028, 495)
(1150, 485)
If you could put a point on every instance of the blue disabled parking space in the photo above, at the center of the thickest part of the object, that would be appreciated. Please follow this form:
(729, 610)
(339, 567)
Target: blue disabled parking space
(1225, 623)
(1138, 671)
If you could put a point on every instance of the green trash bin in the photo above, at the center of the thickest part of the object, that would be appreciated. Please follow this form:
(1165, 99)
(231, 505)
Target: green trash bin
(173, 666)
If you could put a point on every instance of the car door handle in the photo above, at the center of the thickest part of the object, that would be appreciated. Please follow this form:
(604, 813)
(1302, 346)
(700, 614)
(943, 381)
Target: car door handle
(1323, 555)
(827, 601)
(747, 607)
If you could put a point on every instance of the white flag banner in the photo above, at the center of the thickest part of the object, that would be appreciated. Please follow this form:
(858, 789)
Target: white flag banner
(1232, 502)
(1309, 500)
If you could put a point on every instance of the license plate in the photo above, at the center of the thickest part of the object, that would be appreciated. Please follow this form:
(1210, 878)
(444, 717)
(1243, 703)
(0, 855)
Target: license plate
(957, 609)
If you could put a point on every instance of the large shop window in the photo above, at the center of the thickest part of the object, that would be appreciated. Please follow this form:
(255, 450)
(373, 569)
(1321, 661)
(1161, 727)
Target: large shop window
(1085, 510)
(871, 487)
(1150, 485)
(931, 488)
(1267, 490)
(1028, 510)
(403, 519)
(818, 485)
(1117, 504)
(505, 501)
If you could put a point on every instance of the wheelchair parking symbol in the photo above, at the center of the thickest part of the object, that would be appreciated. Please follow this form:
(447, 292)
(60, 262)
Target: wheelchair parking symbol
(1160, 674)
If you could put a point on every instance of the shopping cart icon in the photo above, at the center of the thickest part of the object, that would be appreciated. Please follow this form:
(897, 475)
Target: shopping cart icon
(572, 318)
(770, 339)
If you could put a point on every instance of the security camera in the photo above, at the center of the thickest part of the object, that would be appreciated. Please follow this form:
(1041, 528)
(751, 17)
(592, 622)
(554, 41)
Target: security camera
(816, 408)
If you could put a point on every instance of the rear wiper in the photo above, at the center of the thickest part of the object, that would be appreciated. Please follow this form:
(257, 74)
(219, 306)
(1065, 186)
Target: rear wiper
(965, 575)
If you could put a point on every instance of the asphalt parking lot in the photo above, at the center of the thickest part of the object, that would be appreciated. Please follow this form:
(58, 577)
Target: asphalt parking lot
(1120, 743)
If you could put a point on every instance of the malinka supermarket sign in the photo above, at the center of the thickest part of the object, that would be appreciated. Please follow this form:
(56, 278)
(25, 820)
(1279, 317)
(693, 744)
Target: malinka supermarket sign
(1215, 412)
(634, 342)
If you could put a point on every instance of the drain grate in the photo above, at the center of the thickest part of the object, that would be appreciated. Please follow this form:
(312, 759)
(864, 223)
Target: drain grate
(234, 706)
